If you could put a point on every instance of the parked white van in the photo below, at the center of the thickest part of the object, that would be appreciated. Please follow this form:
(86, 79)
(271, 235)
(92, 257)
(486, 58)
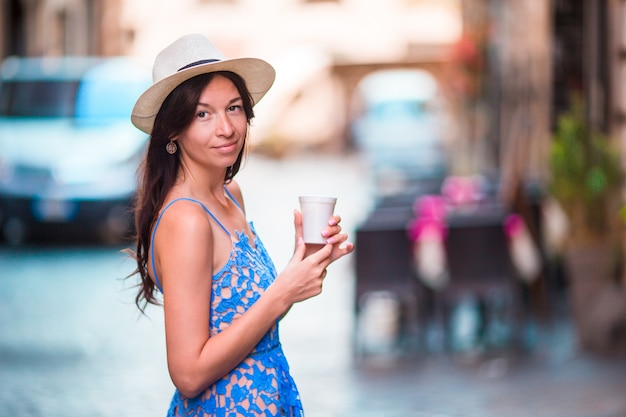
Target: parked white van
(68, 151)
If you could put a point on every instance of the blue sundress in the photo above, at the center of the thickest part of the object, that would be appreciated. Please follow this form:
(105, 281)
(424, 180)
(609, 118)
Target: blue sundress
(261, 384)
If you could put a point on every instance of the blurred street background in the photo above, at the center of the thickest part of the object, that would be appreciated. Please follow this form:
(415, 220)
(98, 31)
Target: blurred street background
(476, 148)
(74, 344)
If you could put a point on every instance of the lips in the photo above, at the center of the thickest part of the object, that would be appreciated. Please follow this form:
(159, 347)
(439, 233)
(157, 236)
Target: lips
(228, 147)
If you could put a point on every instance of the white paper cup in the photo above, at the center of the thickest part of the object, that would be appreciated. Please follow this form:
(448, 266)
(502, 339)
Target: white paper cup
(316, 211)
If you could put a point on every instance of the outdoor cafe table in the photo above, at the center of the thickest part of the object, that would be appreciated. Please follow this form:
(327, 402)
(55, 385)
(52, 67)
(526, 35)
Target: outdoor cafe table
(476, 248)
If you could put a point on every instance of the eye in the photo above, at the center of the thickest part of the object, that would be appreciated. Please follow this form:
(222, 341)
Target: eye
(235, 108)
(202, 114)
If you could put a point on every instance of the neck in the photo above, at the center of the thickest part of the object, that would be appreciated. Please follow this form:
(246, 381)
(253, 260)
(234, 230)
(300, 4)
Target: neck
(205, 185)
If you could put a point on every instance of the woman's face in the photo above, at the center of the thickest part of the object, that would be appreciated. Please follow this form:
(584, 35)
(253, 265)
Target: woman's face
(217, 132)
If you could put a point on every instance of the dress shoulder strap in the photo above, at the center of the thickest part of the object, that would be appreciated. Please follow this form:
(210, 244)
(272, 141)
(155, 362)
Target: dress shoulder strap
(232, 198)
(156, 225)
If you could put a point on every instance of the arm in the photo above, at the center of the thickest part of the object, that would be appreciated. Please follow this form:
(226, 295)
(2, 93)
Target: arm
(196, 360)
(185, 263)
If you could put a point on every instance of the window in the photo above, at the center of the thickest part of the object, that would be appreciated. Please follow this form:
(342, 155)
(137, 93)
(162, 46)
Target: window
(38, 98)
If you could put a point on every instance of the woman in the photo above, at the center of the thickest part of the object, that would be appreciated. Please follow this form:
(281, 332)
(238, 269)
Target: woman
(222, 297)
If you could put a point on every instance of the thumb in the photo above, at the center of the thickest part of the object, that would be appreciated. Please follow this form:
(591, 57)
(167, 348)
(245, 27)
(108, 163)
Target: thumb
(298, 254)
(297, 222)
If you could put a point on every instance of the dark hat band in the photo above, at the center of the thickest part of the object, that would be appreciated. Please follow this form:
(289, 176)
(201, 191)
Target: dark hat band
(194, 64)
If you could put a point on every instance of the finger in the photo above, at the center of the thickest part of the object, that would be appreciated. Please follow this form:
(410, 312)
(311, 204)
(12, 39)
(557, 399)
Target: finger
(297, 223)
(340, 251)
(334, 220)
(322, 255)
(330, 232)
(297, 218)
(298, 254)
(347, 248)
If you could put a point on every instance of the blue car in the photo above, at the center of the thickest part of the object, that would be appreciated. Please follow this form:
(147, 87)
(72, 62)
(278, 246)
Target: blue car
(68, 152)
(400, 130)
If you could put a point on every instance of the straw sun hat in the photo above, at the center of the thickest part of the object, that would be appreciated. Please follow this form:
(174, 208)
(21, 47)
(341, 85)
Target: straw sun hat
(187, 57)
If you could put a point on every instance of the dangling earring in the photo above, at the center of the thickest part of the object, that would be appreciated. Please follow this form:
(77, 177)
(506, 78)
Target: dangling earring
(171, 147)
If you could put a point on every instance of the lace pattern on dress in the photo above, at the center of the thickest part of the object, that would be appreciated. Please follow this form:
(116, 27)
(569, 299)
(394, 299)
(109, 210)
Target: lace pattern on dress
(260, 385)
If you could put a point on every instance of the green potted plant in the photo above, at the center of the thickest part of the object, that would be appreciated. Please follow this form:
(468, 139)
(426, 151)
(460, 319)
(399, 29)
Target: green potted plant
(586, 179)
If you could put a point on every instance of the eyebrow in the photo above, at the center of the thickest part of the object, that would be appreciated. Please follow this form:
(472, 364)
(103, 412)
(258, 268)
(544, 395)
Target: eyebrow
(230, 103)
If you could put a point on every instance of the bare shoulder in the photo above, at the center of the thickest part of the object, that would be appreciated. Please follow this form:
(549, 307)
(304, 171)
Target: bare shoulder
(180, 245)
(182, 220)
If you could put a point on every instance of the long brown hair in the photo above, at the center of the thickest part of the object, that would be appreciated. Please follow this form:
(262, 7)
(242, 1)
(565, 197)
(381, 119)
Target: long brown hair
(158, 172)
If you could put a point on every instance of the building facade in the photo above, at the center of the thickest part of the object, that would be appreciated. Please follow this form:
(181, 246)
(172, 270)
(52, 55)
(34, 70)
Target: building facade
(62, 27)
(542, 49)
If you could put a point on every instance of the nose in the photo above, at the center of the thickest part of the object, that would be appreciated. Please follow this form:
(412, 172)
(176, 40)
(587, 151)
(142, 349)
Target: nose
(225, 126)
